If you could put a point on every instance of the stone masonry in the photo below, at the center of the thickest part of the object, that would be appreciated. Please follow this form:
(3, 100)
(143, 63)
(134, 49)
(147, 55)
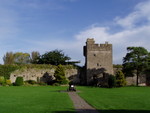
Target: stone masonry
(98, 60)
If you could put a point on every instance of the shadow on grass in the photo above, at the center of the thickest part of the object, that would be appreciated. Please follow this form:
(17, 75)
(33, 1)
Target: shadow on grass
(104, 111)
(124, 111)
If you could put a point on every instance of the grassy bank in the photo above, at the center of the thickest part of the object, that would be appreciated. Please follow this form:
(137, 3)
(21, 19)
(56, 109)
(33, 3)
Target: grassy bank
(118, 100)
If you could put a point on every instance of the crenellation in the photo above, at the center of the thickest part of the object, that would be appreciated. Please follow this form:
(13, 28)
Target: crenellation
(97, 57)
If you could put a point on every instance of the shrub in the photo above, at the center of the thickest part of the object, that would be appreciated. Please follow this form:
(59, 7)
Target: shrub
(2, 80)
(19, 81)
(42, 83)
(56, 84)
(31, 82)
(120, 79)
(64, 81)
(111, 81)
(8, 82)
(6, 70)
(60, 75)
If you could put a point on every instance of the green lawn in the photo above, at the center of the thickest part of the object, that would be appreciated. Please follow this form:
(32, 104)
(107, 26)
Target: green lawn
(118, 100)
(40, 99)
(48, 99)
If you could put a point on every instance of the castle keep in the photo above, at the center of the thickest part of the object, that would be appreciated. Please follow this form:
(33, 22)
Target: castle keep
(98, 60)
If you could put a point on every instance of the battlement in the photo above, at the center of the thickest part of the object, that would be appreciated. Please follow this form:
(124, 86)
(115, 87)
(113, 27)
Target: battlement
(92, 46)
(97, 57)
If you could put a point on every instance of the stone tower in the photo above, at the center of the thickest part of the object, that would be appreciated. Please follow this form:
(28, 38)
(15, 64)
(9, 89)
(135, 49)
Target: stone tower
(98, 60)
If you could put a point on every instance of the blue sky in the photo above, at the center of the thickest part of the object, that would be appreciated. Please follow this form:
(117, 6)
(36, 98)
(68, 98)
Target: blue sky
(45, 25)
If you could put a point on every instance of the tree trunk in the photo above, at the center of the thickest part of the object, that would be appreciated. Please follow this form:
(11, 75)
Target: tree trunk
(137, 78)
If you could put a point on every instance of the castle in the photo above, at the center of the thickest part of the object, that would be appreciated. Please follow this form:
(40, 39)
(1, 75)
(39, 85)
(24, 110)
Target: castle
(98, 63)
(98, 60)
(98, 67)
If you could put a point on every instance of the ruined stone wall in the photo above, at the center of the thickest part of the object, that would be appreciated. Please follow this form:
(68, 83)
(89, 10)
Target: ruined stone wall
(132, 80)
(97, 57)
(44, 75)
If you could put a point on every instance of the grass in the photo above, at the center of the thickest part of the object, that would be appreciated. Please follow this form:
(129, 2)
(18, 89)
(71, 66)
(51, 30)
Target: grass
(40, 99)
(118, 100)
(48, 99)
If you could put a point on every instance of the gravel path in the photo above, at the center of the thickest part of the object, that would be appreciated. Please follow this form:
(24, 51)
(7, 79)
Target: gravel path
(80, 105)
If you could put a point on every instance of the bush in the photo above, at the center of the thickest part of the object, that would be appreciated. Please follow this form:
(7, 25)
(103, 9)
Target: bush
(60, 75)
(56, 84)
(6, 70)
(31, 82)
(8, 82)
(2, 80)
(42, 83)
(64, 82)
(120, 79)
(19, 81)
(111, 81)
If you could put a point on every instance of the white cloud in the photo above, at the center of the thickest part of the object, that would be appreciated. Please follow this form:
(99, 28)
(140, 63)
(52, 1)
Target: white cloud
(131, 35)
(135, 33)
(140, 15)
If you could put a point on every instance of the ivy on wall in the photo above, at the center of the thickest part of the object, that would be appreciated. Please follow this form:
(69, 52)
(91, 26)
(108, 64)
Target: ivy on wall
(6, 70)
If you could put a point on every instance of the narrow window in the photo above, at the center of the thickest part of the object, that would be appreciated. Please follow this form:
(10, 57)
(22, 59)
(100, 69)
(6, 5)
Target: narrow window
(97, 64)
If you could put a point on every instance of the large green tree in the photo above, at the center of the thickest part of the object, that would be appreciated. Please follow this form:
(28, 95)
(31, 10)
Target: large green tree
(135, 62)
(55, 57)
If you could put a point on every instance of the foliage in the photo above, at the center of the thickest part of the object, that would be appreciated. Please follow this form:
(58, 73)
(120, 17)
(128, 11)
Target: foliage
(56, 84)
(8, 82)
(135, 61)
(16, 58)
(60, 75)
(55, 57)
(120, 79)
(34, 57)
(31, 82)
(19, 81)
(117, 66)
(111, 81)
(6, 70)
(8, 58)
(21, 58)
(2, 80)
(42, 83)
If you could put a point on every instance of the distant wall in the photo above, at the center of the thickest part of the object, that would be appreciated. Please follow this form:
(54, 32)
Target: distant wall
(44, 75)
(132, 80)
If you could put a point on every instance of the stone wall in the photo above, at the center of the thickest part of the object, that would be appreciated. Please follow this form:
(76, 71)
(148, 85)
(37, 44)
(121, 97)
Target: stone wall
(43, 75)
(132, 80)
(98, 58)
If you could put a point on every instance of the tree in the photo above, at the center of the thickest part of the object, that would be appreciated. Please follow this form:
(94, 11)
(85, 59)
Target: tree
(34, 57)
(16, 58)
(135, 61)
(60, 75)
(111, 81)
(120, 79)
(21, 58)
(8, 58)
(55, 57)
